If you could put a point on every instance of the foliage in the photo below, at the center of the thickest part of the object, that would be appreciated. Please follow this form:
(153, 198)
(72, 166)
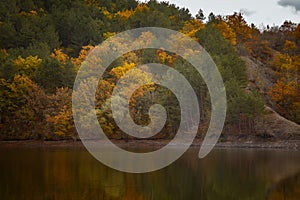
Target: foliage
(21, 108)
(241, 105)
(44, 43)
(285, 92)
(59, 118)
(28, 66)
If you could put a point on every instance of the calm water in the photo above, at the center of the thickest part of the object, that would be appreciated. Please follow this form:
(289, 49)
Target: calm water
(72, 173)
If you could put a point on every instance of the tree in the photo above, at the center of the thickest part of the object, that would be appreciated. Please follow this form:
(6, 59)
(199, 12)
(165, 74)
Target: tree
(211, 17)
(227, 32)
(200, 16)
(85, 50)
(223, 53)
(58, 115)
(27, 28)
(79, 21)
(239, 26)
(28, 66)
(243, 107)
(7, 67)
(21, 108)
(53, 74)
(192, 26)
(285, 92)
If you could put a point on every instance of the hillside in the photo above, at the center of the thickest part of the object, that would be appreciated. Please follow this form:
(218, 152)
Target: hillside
(44, 43)
(270, 124)
(274, 125)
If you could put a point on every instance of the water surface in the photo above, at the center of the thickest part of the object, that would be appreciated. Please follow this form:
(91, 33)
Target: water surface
(72, 173)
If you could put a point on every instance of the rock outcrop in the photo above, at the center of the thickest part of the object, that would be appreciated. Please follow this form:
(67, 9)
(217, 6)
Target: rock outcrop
(272, 124)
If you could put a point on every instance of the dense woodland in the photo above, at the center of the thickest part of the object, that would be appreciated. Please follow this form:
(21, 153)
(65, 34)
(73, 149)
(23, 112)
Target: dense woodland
(43, 43)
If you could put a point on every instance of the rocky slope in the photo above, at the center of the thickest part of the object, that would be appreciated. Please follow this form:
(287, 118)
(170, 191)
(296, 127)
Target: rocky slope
(271, 124)
(274, 125)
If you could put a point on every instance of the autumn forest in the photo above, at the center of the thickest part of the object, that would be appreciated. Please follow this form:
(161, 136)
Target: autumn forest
(44, 43)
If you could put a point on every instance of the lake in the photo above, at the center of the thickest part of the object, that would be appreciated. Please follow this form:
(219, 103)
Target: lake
(72, 173)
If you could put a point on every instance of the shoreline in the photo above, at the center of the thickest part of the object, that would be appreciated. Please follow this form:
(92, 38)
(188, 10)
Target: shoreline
(246, 144)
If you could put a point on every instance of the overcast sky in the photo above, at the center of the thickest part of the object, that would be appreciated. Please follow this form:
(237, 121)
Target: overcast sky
(268, 12)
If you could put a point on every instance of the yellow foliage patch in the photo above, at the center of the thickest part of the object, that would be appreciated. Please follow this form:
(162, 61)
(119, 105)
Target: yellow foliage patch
(59, 55)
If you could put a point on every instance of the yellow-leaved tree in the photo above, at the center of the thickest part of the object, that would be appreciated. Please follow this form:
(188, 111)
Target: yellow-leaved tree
(227, 31)
(21, 108)
(286, 91)
(59, 116)
(27, 66)
(192, 26)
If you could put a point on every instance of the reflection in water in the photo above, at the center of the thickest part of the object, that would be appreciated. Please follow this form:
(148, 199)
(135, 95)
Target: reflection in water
(72, 173)
(288, 189)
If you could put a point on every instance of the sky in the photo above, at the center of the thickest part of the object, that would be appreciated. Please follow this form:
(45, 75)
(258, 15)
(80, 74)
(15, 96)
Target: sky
(266, 12)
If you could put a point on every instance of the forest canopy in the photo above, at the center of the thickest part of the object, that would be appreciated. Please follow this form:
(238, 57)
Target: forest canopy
(43, 44)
